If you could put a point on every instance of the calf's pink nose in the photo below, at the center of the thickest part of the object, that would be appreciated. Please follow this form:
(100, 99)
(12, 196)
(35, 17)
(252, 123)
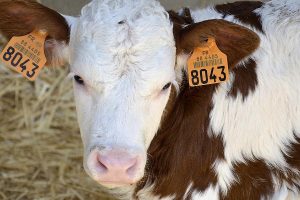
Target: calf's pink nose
(113, 167)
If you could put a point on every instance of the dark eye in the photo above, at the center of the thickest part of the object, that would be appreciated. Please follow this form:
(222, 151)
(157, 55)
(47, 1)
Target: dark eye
(167, 86)
(78, 80)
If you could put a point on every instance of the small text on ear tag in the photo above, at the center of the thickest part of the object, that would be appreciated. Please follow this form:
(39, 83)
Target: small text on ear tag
(207, 65)
(25, 54)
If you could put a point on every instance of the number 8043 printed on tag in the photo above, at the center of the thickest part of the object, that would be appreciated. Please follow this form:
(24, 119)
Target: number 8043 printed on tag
(207, 65)
(208, 75)
(17, 60)
(25, 54)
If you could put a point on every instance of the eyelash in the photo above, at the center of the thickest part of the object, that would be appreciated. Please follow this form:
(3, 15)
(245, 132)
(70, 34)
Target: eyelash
(167, 86)
(78, 80)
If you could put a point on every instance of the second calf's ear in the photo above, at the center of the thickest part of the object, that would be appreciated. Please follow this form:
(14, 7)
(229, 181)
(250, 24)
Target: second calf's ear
(236, 41)
(20, 17)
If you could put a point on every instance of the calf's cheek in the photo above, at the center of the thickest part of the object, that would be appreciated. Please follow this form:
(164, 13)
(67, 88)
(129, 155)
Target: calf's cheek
(84, 116)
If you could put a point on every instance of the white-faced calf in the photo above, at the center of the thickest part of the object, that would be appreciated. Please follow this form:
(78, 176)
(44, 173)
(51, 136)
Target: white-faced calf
(146, 133)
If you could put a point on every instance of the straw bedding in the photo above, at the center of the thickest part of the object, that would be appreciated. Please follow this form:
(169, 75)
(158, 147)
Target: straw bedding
(40, 145)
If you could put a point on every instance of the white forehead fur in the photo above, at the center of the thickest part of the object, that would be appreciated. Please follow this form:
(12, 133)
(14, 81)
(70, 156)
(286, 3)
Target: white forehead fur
(120, 35)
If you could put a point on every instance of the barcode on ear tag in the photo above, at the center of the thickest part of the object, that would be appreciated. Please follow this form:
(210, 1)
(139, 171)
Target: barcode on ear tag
(207, 65)
(25, 54)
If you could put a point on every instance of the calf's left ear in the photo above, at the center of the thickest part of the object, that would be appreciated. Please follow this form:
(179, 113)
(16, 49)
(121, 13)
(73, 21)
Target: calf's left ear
(236, 41)
(21, 17)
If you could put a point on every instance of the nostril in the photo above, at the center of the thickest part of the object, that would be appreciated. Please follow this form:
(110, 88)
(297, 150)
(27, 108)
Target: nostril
(95, 165)
(132, 169)
(101, 163)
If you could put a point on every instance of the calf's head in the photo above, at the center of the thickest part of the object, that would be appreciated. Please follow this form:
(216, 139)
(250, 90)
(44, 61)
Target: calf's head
(123, 56)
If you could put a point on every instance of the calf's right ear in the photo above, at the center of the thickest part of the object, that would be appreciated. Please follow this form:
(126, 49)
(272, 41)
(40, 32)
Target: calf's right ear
(21, 17)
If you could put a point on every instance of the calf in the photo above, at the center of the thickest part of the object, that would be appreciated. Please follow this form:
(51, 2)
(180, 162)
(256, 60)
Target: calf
(146, 133)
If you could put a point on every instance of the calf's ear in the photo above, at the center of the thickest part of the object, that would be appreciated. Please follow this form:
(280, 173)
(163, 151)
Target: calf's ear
(21, 17)
(236, 41)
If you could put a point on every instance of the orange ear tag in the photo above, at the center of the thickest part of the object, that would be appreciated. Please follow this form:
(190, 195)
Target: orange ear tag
(207, 65)
(26, 54)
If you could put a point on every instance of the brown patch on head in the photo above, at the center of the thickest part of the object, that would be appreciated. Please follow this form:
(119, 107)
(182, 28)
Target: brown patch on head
(243, 11)
(20, 17)
(185, 18)
(237, 42)
(254, 181)
(183, 151)
(245, 79)
(180, 20)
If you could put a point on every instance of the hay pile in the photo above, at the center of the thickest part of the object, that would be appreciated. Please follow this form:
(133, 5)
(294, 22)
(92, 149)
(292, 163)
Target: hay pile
(40, 145)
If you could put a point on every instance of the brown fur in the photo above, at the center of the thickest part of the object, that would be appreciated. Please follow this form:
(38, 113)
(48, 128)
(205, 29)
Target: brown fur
(245, 79)
(254, 182)
(293, 159)
(243, 11)
(20, 17)
(184, 19)
(179, 21)
(293, 156)
(182, 151)
(255, 176)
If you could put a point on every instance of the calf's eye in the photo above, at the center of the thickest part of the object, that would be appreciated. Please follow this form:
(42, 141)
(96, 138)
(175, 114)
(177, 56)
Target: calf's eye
(167, 86)
(78, 80)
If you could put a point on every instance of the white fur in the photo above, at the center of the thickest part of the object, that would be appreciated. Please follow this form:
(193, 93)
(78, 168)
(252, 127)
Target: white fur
(147, 194)
(59, 52)
(70, 20)
(281, 193)
(225, 175)
(188, 190)
(209, 13)
(211, 193)
(181, 61)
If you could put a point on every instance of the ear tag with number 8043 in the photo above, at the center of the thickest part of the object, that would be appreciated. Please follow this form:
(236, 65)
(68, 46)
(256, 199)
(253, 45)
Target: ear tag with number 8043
(25, 54)
(207, 65)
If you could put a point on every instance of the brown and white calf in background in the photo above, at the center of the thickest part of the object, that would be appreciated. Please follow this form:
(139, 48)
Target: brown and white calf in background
(147, 140)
